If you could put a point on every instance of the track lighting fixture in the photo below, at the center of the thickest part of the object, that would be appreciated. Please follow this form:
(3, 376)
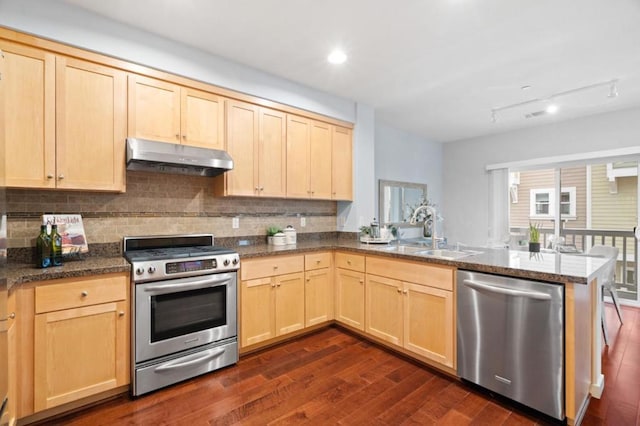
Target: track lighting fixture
(552, 107)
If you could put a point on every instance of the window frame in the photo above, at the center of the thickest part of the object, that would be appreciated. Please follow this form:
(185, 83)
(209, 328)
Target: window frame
(571, 190)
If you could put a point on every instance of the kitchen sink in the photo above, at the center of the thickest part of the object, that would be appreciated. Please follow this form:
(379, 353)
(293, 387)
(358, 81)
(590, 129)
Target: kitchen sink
(439, 253)
(402, 249)
(447, 254)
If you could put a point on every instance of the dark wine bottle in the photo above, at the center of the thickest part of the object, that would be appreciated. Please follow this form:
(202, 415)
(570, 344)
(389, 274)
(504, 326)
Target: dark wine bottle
(43, 248)
(56, 246)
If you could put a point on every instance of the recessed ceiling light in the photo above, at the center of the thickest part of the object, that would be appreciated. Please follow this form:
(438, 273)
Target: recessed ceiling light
(552, 109)
(337, 57)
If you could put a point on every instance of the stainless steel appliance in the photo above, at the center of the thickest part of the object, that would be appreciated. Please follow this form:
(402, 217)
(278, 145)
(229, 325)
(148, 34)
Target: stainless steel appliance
(166, 157)
(511, 338)
(184, 302)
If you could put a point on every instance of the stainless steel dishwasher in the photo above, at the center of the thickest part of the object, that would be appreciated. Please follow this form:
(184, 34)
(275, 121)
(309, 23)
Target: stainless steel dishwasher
(511, 338)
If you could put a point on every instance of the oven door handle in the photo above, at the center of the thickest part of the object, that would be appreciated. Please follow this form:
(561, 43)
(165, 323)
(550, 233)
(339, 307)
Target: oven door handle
(192, 285)
(175, 366)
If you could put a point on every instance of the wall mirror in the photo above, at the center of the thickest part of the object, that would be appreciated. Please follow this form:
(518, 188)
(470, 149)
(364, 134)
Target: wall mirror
(398, 200)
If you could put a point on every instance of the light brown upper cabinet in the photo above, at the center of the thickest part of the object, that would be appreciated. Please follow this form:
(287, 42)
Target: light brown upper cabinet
(308, 158)
(91, 125)
(341, 164)
(65, 121)
(167, 112)
(256, 141)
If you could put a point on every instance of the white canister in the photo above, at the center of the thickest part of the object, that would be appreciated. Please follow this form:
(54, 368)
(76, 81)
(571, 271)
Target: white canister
(290, 235)
(279, 239)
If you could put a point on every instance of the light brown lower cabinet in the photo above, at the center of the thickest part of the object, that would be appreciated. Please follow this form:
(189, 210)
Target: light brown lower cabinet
(81, 339)
(271, 307)
(350, 298)
(318, 290)
(410, 305)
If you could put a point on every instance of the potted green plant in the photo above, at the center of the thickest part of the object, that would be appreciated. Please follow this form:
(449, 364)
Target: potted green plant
(272, 231)
(534, 237)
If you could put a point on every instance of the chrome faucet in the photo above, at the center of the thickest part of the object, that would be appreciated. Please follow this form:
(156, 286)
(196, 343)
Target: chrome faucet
(432, 211)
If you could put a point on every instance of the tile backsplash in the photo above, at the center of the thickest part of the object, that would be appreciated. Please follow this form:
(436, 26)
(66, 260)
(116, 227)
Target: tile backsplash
(158, 203)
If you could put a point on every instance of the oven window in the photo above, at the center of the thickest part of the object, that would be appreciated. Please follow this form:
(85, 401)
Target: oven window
(177, 314)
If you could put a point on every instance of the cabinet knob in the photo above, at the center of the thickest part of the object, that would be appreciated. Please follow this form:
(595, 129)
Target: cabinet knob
(278, 285)
(273, 285)
(405, 291)
(262, 188)
(257, 188)
(361, 281)
(177, 136)
(84, 294)
(12, 315)
(318, 261)
(184, 137)
(399, 291)
(308, 279)
(275, 266)
(121, 313)
(60, 176)
(348, 262)
(49, 176)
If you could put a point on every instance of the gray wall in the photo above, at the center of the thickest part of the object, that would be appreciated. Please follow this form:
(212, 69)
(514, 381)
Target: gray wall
(406, 157)
(466, 184)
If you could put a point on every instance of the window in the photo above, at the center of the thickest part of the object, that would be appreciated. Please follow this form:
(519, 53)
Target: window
(543, 203)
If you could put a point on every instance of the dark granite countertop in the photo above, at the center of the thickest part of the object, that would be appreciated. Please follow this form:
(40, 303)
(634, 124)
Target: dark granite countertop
(22, 273)
(545, 266)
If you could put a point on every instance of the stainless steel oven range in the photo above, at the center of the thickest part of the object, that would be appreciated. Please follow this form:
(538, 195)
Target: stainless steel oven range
(184, 303)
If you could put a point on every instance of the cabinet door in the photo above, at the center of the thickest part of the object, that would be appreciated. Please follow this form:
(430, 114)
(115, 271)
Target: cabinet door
(10, 416)
(350, 298)
(318, 295)
(289, 303)
(298, 134)
(29, 108)
(320, 160)
(257, 316)
(429, 323)
(341, 164)
(91, 125)
(272, 155)
(154, 109)
(242, 145)
(79, 352)
(202, 119)
(384, 308)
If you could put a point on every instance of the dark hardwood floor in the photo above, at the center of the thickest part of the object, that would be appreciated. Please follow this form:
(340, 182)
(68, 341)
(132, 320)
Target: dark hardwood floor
(334, 377)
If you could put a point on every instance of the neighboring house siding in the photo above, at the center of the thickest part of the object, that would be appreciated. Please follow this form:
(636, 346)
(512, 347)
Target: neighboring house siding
(541, 179)
(613, 211)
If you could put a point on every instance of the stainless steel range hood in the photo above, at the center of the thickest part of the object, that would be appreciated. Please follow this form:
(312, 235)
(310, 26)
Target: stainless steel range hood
(163, 157)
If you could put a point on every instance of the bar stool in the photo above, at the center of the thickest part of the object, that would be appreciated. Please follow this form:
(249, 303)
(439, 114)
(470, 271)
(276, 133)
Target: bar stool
(608, 283)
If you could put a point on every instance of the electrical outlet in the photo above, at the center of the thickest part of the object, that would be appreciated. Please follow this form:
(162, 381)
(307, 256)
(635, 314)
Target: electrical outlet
(235, 222)
(303, 221)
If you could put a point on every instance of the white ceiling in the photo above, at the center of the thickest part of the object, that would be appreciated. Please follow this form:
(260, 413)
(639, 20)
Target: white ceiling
(435, 68)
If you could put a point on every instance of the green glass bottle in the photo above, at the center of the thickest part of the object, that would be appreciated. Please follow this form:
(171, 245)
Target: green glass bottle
(43, 248)
(56, 246)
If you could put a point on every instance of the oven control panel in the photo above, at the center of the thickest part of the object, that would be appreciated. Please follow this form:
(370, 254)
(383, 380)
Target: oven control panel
(153, 270)
(190, 266)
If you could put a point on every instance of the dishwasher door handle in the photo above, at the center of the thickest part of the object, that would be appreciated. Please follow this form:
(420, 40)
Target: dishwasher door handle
(479, 285)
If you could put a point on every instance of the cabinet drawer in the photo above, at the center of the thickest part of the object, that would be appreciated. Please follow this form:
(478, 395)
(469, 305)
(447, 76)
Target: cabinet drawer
(413, 272)
(271, 266)
(350, 261)
(317, 261)
(78, 292)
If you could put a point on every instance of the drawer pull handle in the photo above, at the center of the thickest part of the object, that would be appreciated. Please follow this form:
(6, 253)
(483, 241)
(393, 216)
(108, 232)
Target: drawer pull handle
(399, 291)
(84, 294)
(361, 281)
(318, 261)
(121, 313)
(405, 291)
(12, 315)
(348, 262)
(275, 267)
(308, 279)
